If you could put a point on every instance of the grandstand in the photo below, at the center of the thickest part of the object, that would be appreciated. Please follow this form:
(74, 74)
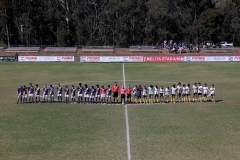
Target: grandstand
(23, 49)
(145, 49)
(60, 49)
(98, 49)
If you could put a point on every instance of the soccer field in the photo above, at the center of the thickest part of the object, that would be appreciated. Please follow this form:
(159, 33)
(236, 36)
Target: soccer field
(158, 131)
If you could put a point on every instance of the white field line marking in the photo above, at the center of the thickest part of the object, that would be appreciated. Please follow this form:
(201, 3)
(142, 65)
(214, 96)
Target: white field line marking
(126, 115)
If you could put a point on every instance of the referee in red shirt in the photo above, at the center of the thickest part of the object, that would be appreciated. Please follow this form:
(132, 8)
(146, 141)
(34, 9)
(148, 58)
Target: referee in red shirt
(115, 90)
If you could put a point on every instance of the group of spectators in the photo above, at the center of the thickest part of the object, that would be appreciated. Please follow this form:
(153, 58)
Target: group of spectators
(173, 47)
(210, 46)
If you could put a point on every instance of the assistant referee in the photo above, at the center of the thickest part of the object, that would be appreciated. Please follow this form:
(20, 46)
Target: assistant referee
(115, 89)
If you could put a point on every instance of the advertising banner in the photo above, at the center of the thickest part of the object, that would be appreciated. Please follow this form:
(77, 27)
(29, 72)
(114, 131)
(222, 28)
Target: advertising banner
(46, 58)
(133, 58)
(216, 58)
(111, 58)
(90, 59)
(234, 58)
(8, 58)
(212, 58)
(27, 58)
(163, 59)
(194, 58)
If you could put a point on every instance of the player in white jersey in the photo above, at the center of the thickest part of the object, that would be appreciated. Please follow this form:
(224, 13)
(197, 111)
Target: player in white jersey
(150, 94)
(174, 89)
(184, 95)
(205, 92)
(167, 92)
(144, 93)
(195, 92)
(212, 92)
(156, 92)
(188, 93)
(161, 94)
(179, 92)
(200, 90)
(134, 93)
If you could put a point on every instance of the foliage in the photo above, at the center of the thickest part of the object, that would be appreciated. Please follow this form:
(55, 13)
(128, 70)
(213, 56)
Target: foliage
(119, 23)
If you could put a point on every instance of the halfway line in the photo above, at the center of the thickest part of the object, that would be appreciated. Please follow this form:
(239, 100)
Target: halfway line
(126, 115)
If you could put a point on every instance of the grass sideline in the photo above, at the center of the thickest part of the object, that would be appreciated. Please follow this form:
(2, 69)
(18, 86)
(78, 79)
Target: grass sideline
(171, 131)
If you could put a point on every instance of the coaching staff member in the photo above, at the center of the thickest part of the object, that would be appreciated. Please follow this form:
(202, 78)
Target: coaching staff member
(115, 90)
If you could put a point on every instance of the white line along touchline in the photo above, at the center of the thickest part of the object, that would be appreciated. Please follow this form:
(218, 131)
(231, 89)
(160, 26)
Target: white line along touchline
(126, 115)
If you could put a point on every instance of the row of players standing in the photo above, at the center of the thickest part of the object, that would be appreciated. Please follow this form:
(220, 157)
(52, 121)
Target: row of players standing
(26, 94)
(179, 93)
(137, 94)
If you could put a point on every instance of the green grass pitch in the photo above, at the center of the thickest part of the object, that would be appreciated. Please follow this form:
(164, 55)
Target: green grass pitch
(77, 131)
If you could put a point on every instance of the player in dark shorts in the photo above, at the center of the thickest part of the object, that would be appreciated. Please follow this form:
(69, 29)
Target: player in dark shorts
(129, 93)
(139, 94)
(115, 90)
(24, 96)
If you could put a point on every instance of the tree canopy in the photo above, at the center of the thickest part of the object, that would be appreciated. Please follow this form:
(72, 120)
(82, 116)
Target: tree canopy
(118, 22)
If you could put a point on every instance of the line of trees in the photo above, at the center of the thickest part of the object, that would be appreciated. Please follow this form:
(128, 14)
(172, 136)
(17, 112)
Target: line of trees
(118, 22)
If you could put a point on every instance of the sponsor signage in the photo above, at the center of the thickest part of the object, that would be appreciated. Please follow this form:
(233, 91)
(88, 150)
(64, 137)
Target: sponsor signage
(211, 58)
(46, 58)
(163, 59)
(216, 58)
(111, 58)
(8, 58)
(234, 58)
(133, 59)
(194, 58)
(90, 59)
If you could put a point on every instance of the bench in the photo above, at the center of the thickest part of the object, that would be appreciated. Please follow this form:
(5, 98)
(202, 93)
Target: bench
(98, 49)
(60, 49)
(145, 49)
(220, 50)
(23, 49)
